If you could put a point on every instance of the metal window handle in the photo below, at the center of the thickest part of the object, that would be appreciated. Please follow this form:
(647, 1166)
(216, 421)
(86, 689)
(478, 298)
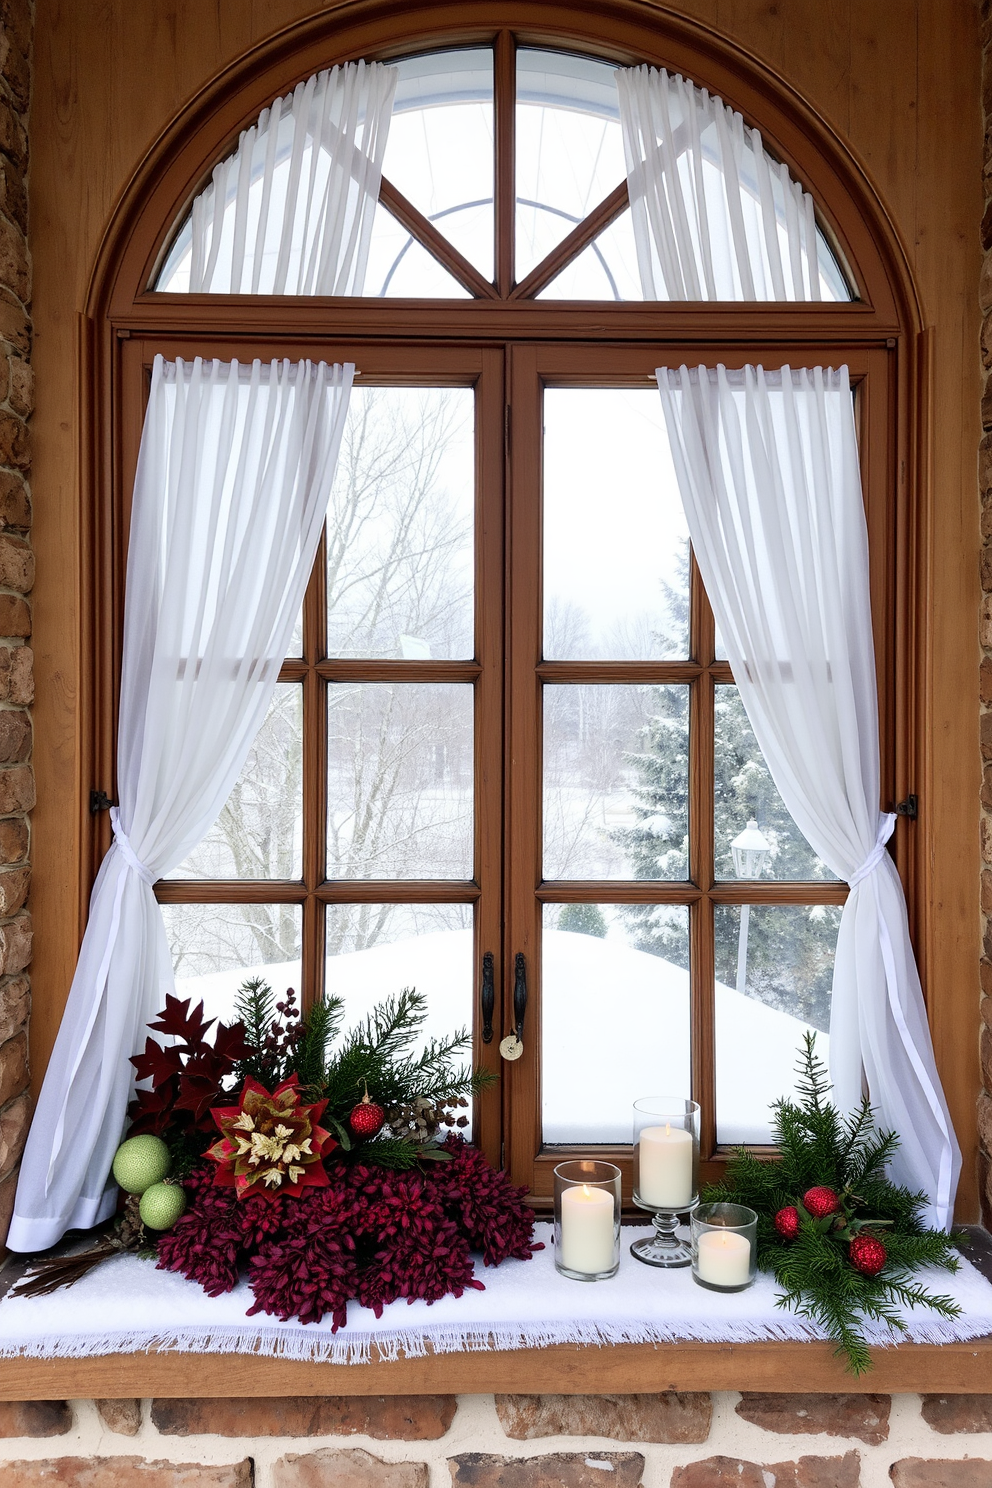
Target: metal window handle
(488, 998)
(519, 994)
(513, 1045)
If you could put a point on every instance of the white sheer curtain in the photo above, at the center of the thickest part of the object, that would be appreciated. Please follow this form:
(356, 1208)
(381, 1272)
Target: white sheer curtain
(715, 216)
(233, 480)
(290, 212)
(767, 464)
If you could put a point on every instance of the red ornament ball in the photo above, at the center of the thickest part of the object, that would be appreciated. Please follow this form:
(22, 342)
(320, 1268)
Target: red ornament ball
(820, 1202)
(367, 1118)
(867, 1254)
(787, 1222)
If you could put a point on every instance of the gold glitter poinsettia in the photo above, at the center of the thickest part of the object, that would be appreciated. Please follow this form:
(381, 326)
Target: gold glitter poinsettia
(270, 1144)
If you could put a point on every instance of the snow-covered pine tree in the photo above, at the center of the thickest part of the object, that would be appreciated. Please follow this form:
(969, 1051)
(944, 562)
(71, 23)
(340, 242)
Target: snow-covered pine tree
(790, 947)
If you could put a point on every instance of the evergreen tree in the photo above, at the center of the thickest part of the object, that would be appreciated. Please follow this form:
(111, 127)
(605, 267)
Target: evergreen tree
(583, 919)
(790, 947)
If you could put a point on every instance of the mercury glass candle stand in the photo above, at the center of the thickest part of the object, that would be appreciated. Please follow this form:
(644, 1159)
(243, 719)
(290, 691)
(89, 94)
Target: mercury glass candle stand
(666, 1174)
(724, 1247)
(587, 1219)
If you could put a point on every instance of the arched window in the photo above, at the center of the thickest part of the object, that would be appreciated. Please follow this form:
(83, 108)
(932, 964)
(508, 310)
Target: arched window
(506, 734)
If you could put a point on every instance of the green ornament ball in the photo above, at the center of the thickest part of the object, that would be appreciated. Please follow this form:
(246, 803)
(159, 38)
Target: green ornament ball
(161, 1205)
(140, 1162)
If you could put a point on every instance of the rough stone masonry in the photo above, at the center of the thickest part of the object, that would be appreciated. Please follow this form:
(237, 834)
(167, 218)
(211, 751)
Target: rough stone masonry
(664, 1440)
(16, 581)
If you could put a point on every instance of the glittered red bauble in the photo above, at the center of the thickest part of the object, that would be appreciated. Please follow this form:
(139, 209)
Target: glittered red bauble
(367, 1118)
(787, 1222)
(867, 1254)
(820, 1202)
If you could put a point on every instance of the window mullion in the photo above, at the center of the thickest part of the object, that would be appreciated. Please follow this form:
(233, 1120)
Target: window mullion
(504, 100)
(314, 776)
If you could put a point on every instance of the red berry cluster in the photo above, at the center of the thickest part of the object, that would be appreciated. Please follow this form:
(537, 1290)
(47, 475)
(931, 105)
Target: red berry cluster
(866, 1252)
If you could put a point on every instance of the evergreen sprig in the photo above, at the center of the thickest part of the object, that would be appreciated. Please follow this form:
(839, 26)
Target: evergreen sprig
(374, 1056)
(821, 1148)
(255, 1009)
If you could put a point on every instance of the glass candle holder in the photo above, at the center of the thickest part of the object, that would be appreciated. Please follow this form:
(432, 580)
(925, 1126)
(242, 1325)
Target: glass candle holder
(724, 1246)
(587, 1219)
(666, 1174)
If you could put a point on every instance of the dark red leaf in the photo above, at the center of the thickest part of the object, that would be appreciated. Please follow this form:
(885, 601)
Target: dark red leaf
(177, 1021)
(229, 1042)
(157, 1064)
(197, 1094)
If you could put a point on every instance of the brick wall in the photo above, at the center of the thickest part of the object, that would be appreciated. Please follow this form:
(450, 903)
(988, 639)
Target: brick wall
(510, 1441)
(16, 580)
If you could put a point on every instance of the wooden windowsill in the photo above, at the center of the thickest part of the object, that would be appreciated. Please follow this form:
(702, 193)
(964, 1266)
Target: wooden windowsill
(563, 1369)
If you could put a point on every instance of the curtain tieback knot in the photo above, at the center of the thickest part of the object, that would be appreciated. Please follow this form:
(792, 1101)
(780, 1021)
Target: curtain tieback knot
(127, 852)
(886, 826)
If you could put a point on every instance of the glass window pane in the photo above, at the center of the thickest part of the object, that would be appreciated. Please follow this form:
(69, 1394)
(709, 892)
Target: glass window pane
(569, 147)
(774, 971)
(215, 947)
(375, 950)
(439, 153)
(400, 777)
(400, 525)
(616, 546)
(614, 1015)
(605, 270)
(744, 791)
(616, 781)
(400, 267)
(259, 833)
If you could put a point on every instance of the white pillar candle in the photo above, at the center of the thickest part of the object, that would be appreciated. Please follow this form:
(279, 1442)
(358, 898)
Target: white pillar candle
(664, 1160)
(723, 1258)
(587, 1240)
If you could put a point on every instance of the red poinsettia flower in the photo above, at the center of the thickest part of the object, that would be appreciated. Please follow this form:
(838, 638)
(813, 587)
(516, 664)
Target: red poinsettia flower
(270, 1144)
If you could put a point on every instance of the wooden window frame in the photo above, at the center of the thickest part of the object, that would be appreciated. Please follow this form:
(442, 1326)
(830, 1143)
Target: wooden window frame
(885, 323)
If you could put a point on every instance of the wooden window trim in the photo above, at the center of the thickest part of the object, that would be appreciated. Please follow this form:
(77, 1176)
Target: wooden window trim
(888, 318)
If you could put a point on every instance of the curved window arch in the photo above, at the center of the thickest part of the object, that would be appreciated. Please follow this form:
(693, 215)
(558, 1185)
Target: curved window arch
(503, 311)
(706, 212)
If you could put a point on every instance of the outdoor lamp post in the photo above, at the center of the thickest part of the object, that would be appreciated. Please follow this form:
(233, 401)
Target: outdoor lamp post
(750, 852)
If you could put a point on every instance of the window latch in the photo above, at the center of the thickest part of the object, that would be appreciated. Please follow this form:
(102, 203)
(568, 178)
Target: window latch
(908, 808)
(488, 998)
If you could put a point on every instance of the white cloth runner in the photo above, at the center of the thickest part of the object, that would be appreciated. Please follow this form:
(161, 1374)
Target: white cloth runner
(127, 1306)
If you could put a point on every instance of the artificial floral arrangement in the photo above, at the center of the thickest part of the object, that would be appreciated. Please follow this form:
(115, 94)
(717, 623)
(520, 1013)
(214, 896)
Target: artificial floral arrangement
(840, 1239)
(324, 1175)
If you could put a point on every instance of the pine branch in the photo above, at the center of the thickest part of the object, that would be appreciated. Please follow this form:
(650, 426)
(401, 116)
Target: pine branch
(318, 1029)
(817, 1269)
(255, 1008)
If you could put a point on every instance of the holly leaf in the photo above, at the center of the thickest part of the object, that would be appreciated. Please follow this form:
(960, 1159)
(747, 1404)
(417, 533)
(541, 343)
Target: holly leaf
(157, 1064)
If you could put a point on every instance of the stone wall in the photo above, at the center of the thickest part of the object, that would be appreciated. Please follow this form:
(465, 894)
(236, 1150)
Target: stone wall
(16, 580)
(510, 1441)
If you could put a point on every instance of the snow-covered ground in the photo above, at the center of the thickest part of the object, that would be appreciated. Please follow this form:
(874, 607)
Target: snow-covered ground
(616, 1026)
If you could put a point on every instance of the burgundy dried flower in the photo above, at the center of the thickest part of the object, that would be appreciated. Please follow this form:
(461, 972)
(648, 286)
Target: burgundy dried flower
(487, 1205)
(370, 1234)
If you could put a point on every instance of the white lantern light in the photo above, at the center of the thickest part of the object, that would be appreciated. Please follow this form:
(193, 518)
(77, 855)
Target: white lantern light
(750, 849)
